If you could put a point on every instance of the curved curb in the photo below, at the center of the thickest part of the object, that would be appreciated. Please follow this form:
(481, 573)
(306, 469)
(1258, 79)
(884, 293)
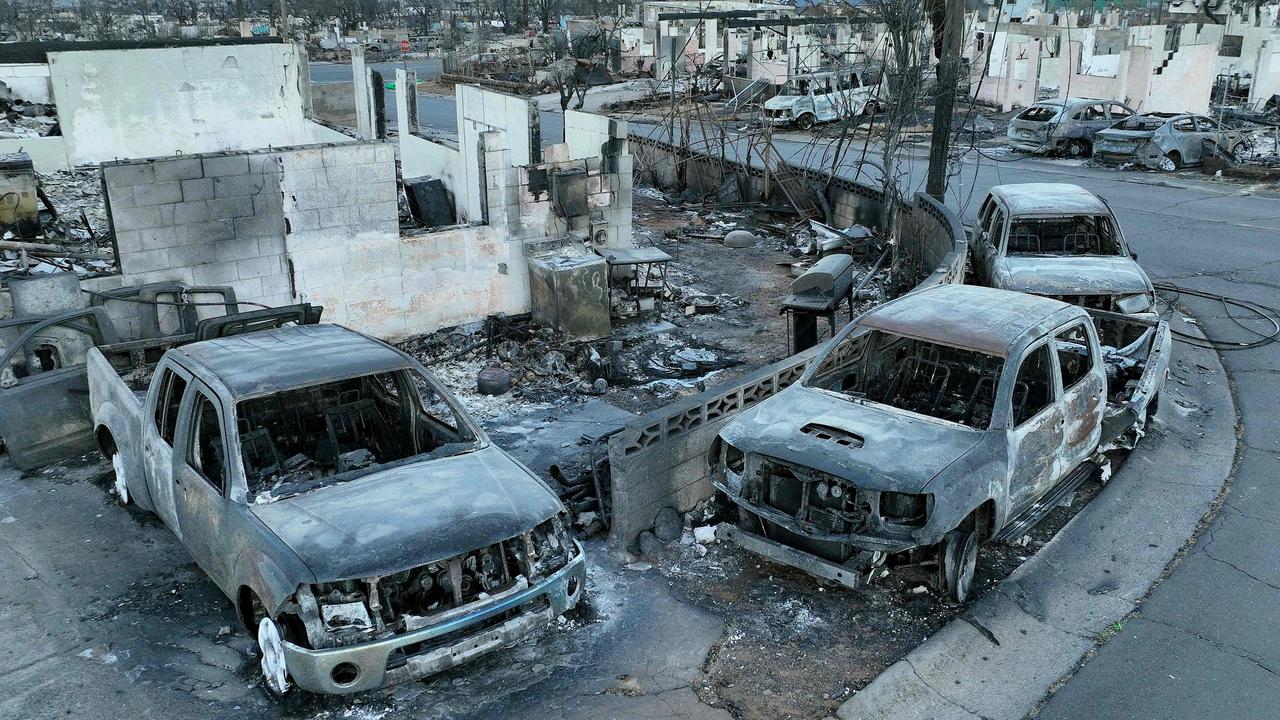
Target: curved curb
(1000, 657)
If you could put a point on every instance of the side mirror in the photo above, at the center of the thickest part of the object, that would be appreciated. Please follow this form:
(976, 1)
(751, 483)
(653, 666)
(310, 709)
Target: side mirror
(1133, 255)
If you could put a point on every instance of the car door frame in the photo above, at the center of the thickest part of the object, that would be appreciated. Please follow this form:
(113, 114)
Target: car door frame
(57, 398)
(1084, 403)
(1030, 480)
(201, 508)
(157, 454)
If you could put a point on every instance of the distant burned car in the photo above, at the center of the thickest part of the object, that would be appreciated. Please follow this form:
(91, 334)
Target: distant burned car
(940, 420)
(365, 528)
(1061, 241)
(1065, 126)
(1165, 140)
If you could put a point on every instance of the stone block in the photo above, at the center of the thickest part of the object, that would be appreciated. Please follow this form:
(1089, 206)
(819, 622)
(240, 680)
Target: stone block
(165, 193)
(263, 163)
(212, 231)
(260, 266)
(178, 170)
(226, 165)
(268, 203)
(239, 185)
(229, 208)
(145, 261)
(237, 248)
(378, 212)
(339, 216)
(185, 213)
(302, 220)
(135, 173)
(190, 255)
(120, 197)
(197, 189)
(260, 226)
(277, 286)
(217, 273)
(136, 218)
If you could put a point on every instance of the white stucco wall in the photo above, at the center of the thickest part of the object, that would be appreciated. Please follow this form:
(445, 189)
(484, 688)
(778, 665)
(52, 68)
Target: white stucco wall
(159, 102)
(48, 154)
(28, 81)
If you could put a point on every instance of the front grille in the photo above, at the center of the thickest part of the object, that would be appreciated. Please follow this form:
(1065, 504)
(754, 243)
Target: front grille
(819, 502)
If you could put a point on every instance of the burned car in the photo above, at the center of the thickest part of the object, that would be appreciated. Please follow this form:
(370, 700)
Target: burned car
(365, 528)
(1064, 126)
(1061, 241)
(935, 422)
(1166, 140)
(813, 98)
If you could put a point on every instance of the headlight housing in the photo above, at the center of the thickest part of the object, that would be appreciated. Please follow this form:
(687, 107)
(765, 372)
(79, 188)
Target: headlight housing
(906, 509)
(1131, 304)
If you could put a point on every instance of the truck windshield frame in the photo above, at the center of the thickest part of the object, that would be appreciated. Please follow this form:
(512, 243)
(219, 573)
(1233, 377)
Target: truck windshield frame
(337, 430)
(950, 384)
(1063, 236)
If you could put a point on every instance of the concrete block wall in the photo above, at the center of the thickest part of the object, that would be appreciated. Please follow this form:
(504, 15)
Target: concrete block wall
(202, 220)
(660, 459)
(315, 224)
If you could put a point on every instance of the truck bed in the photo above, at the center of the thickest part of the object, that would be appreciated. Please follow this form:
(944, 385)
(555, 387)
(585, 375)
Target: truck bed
(1136, 353)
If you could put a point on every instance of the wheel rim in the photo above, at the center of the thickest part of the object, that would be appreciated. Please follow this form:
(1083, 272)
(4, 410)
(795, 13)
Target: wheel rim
(121, 483)
(959, 560)
(968, 557)
(272, 647)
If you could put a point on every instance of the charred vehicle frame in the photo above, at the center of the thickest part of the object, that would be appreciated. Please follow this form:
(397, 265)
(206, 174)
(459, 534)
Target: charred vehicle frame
(938, 421)
(365, 527)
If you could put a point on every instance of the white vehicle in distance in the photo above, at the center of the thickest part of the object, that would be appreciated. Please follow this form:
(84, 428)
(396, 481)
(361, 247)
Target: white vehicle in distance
(813, 98)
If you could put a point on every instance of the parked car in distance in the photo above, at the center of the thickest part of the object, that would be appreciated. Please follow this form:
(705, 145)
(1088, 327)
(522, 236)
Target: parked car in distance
(1168, 140)
(1064, 126)
(1060, 241)
(940, 420)
(365, 528)
(812, 98)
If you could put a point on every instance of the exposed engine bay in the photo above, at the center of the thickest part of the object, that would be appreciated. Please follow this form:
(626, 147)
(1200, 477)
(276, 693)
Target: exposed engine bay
(358, 610)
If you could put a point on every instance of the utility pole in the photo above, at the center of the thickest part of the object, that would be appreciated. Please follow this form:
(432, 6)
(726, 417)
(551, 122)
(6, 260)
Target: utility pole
(284, 20)
(948, 81)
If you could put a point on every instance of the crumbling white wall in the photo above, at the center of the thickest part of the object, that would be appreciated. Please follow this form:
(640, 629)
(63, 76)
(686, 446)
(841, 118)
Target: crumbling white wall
(29, 81)
(315, 224)
(480, 111)
(48, 154)
(116, 104)
(1185, 82)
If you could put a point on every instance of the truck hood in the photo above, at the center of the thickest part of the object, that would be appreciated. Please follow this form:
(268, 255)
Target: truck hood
(410, 515)
(900, 451)
(1080, 275)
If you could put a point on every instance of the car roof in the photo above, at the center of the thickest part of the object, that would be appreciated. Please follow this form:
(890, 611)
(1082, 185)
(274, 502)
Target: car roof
(270, 361)
(1049, 199)
(968, 316)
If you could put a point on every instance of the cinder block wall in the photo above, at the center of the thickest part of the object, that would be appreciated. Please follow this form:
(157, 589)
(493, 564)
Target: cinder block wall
(206, 220)
(315, 224)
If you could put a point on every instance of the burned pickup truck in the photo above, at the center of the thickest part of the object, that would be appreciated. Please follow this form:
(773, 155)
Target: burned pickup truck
(933, 423)
(365, 528)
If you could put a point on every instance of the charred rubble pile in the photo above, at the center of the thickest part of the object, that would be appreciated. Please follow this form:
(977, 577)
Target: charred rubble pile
(23, 119)
(59, 223)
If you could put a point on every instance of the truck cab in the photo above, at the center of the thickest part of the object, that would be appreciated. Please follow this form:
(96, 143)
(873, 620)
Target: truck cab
(1060, 241)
